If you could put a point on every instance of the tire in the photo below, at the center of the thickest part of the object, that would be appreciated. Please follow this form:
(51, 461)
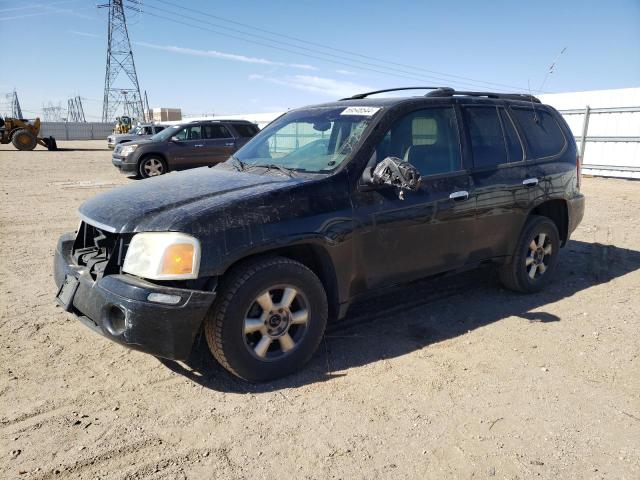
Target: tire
(152, 166)
(260, 344)
(24, 139)
(529, 269)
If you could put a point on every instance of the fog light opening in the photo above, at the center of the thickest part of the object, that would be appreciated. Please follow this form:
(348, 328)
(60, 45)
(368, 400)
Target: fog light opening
(116, 320)
(164, 298)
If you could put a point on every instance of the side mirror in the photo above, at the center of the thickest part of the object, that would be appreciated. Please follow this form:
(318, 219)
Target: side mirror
(175, 140)
(396, 173)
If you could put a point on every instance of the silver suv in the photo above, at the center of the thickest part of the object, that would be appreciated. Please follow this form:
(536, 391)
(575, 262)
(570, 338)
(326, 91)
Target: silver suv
(139, 132)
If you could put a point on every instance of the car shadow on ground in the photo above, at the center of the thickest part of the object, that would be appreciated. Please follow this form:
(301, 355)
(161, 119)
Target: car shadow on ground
(403, 319)
(65, 149)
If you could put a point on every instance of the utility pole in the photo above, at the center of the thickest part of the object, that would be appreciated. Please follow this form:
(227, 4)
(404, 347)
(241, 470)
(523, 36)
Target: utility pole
(121, 86)
(16, 111)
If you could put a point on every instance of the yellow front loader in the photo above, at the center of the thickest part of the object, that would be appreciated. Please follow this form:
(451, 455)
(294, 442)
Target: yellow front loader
(24, 134)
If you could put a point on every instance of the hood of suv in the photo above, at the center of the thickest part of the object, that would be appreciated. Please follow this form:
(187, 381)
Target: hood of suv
(161, 203)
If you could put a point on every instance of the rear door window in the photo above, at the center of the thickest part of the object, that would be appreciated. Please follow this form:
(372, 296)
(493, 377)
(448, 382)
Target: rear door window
(542, 134)
(514, 147)
(216, 131)
(487, 139)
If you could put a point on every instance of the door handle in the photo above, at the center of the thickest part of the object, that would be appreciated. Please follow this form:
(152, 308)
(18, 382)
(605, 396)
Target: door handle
(198, 146)
(530, 182)
(459, 196)
(229, 144)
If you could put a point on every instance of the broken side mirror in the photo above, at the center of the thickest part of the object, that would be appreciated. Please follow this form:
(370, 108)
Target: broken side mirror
(396, 173)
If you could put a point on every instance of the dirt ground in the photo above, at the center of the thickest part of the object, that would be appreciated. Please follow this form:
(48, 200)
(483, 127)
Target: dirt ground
(455, 378)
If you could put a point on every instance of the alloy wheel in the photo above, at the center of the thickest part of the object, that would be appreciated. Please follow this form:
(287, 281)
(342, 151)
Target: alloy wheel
(153, 167)
(276, 322)
(537, 260)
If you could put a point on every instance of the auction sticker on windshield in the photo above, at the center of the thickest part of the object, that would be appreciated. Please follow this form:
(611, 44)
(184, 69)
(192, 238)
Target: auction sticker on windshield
(361, 111)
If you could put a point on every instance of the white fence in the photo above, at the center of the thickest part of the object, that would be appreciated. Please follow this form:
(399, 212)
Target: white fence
(608, 140)
(609, 123)
(76, 130)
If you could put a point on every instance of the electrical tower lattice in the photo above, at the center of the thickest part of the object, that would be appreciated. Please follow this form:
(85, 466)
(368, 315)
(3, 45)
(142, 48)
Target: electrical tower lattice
(121, 88)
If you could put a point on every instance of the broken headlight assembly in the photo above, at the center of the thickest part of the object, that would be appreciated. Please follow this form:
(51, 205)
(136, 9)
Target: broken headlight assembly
(163, 256)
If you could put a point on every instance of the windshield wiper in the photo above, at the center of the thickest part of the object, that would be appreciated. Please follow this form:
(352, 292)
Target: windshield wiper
(271, 166)
(239, 164)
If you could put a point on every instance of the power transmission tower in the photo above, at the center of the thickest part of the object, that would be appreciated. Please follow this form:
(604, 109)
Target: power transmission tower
(75, 112)
(72, 115)
(52, 113)
(16, 111)
(147, 110)
(121, 88)
(80, 110)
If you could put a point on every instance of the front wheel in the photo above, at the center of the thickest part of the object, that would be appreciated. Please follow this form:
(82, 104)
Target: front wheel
(24, 139)
(535, 259)
(152, 167)
(268, 319)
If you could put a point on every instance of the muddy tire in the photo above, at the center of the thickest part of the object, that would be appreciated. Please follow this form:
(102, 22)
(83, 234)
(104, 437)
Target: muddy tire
(535, 259)
(268, 319)
(24, 140)
(151, 166)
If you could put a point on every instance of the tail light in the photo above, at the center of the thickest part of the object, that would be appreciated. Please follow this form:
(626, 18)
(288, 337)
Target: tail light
(578, 171)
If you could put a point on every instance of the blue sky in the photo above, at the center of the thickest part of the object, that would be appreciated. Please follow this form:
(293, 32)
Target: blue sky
(209, 65)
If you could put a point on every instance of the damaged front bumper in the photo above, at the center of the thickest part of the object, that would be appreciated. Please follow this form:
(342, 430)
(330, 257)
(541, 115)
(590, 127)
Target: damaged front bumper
(118, 307)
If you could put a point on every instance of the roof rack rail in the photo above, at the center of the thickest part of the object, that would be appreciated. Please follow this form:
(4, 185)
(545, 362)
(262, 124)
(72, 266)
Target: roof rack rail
(449, 92)
(360, 96)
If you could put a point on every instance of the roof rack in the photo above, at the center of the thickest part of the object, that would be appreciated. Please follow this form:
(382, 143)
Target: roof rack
(450, 92)
(360, 96)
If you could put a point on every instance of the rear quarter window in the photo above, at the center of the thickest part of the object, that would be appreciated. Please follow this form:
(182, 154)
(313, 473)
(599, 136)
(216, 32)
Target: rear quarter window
(542, 134)
(245, 130)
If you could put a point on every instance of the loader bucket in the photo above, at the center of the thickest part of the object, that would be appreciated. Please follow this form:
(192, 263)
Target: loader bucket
(50, 143)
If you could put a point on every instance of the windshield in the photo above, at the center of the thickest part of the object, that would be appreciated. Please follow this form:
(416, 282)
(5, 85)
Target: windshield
(311, 140)
(167, 133)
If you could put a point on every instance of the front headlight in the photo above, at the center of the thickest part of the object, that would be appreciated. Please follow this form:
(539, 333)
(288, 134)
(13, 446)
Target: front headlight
(163, 256)
(128, 150)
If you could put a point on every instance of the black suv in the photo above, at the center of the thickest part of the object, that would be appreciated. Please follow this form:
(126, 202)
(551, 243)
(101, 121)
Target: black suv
(182, 146)
(325, 204)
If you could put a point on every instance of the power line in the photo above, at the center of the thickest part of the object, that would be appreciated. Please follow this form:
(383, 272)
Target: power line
(351, 65)
(439, 76)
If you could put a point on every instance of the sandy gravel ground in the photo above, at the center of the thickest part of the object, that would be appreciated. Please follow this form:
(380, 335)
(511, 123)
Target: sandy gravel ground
(455, 378)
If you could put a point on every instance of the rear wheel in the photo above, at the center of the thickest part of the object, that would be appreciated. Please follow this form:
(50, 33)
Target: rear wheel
(24, 139)
(535, 259)
(268, 320)
(152, 167)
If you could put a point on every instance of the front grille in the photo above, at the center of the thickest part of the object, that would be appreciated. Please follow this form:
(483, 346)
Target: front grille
(100, 251)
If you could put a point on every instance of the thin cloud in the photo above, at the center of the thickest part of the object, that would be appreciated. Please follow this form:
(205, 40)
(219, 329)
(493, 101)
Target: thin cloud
(49, 10)
(324, 86)
(35, 5)
(224, 56)
(84, 34)
(345, 72)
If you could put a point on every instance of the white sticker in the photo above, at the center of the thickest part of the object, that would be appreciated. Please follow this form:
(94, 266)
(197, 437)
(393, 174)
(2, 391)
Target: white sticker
(361, 111)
